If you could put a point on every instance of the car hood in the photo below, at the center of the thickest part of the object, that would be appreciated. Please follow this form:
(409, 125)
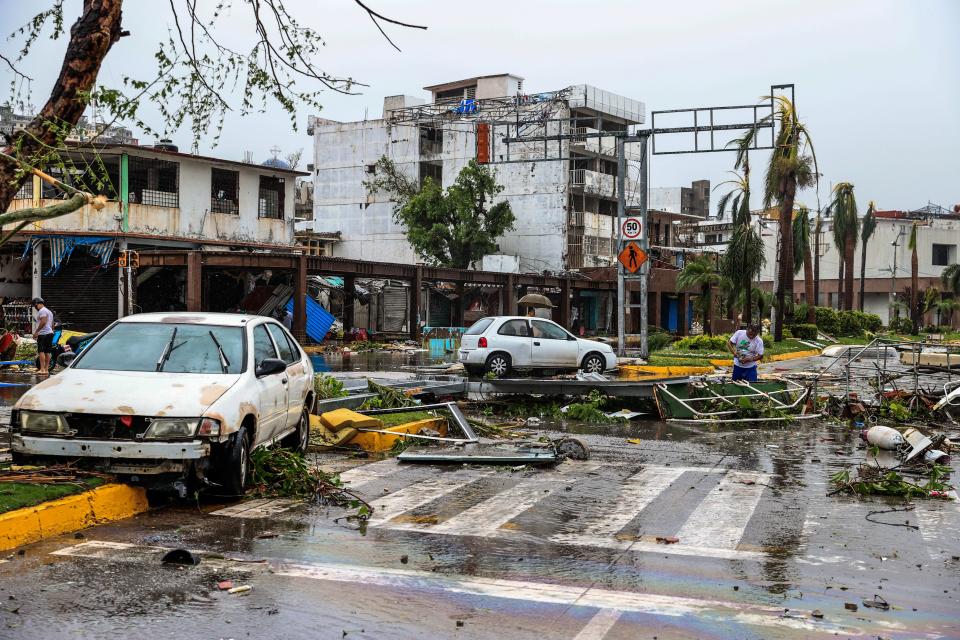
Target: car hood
(141, 393)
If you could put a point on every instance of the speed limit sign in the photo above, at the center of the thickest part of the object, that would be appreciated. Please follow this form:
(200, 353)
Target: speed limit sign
(631, 228)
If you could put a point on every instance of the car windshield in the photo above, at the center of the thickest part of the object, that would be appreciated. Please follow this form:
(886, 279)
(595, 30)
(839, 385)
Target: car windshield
(478, 327)
(171, 348)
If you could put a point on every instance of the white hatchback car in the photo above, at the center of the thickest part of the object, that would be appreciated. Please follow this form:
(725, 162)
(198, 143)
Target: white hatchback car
(181, 395)
(501, 343)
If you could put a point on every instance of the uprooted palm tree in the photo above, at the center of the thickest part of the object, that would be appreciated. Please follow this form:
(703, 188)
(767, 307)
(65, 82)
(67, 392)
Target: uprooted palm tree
(744, 258)
(789, 169)
(867, 227)
(701, 273)
(802, 259)
(846, 226)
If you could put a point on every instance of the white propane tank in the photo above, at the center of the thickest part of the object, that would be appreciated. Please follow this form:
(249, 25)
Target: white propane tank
(883, 437)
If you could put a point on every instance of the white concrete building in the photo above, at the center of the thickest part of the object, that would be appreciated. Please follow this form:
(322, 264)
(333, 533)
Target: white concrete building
(158, 198)
(565, 208)
(693, 200)
(938, 237)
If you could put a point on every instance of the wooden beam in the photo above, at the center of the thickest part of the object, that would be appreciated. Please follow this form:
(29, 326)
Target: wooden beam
(194, 281)
(415, 293)
(300, 301)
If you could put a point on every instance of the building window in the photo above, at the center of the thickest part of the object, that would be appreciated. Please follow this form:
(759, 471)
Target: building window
(431, 140)
(224, 191)
(432, 170)
(154, 182)
(25, 192)
(944, 254)
(271, 198)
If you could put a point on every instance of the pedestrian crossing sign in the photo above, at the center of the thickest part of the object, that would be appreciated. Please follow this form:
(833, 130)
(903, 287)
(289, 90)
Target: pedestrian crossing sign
(632, 257)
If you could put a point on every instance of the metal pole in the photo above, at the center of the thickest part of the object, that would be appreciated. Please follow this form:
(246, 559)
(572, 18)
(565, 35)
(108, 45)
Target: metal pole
(621, 205)
(645, 245)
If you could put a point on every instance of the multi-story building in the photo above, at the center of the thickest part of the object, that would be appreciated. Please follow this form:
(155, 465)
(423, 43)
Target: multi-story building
(565, 208)
(159, 198)
(693, 200)
(86, 131)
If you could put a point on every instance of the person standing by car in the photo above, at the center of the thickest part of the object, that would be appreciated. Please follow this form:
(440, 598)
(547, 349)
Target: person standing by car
(43, 334)
(747, 349)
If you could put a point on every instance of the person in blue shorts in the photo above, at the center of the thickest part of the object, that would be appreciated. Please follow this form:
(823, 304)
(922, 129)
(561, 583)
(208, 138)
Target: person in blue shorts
(747, 349)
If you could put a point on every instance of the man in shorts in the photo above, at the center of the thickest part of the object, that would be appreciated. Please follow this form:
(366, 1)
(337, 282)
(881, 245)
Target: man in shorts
(747, 349)
(43, 334)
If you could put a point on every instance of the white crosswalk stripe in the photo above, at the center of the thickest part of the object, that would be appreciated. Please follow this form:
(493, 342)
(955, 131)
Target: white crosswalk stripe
(423, 492)
(721, 518)
(367, 473)
(486, 518)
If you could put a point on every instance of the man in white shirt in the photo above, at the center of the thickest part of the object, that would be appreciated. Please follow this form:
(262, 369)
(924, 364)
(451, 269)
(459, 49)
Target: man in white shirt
(747, 349)
(43, 334)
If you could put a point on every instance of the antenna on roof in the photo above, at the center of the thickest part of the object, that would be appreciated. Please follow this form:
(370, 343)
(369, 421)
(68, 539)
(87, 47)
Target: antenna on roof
(248, 157)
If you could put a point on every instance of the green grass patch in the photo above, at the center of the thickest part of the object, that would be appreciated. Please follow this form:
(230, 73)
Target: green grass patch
(675, 359)
(393, 419)
(18, 495)
(790, 345)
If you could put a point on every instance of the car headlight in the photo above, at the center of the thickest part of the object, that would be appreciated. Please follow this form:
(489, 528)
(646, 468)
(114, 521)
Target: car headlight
(42, 422)
(171, 428)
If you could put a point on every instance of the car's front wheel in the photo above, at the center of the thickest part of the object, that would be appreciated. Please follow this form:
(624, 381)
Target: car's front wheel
(498, 364)
(234, 466)
(594, 363)
(299, 439)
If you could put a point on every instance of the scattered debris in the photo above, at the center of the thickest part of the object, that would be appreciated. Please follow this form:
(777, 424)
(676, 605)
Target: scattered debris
(850, 606)
(876, 603)
(55, 474)
(667, 539)
(225, 585)
(876, 480)
(816, 613)
(241, 589)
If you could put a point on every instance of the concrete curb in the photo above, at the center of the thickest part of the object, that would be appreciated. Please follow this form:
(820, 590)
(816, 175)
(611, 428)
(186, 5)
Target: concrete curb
(103, 504)
(643, 370)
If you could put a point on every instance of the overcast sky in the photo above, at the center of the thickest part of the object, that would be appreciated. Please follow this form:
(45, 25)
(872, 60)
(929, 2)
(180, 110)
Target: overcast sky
(877, 81)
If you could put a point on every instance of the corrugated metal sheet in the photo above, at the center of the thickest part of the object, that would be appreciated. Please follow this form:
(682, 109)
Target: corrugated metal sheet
(82, 293)
(319, 320)
(394, 309)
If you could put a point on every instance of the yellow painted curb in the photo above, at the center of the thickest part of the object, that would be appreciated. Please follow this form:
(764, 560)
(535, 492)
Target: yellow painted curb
(780, 357)
(645, 371)
(103, 504)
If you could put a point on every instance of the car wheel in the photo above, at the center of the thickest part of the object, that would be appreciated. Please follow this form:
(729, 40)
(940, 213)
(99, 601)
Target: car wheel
(498, 364)
(234, 468)
(299, 439)
(594, 363)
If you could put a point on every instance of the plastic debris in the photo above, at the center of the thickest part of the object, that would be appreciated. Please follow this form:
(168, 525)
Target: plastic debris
(181, 556)
(225, 585)
(241, 589)
(667, 539)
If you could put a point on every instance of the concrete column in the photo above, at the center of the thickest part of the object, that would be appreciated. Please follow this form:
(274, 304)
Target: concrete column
(300, 300)
(349, 301)
(123, 295)
(415, 293)
(683, 302)
(509, 295)
(457, 319)
(654, 302)
(36, 277)
(194, 281)
(565, 303)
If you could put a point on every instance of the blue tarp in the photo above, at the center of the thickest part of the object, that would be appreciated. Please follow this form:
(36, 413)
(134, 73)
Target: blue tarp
(319, 320)
(61, 247)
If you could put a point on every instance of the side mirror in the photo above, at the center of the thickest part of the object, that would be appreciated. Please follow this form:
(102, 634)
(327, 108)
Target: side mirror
(65, 359)
(571, 337)
(271, 366)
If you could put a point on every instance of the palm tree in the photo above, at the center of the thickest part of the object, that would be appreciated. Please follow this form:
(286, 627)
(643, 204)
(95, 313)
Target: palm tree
(744, 258)
(867, 227)
(803, 259)
(846, 226)
(790, 168)
(945, 309)
(701, 272)
(951, 278)
(914, 279)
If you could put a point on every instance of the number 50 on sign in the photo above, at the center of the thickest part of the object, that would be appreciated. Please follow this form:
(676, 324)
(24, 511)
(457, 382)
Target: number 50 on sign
(631, 228)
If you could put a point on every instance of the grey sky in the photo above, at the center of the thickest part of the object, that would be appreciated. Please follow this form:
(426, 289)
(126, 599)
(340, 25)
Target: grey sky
(877, 80)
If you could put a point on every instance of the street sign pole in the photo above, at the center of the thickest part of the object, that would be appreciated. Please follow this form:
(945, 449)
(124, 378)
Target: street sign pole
(621, 206)
(645, 245)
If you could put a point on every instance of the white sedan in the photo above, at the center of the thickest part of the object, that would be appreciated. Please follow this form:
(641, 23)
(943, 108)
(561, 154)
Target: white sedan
(499, 344)
(178, 396)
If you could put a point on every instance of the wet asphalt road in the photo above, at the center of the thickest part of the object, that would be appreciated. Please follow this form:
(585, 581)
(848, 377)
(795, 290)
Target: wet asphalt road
(569, 552)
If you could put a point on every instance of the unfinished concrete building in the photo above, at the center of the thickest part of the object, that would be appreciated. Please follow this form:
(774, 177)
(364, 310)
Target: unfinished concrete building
(565, 208)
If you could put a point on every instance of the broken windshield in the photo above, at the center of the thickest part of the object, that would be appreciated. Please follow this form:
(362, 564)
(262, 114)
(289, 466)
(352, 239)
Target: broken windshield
(135, 346)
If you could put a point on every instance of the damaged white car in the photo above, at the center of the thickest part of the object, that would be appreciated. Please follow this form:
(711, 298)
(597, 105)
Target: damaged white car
(181, 397)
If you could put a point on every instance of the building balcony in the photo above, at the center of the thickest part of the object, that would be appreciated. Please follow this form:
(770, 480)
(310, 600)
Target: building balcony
(585, 140)
(603, 184)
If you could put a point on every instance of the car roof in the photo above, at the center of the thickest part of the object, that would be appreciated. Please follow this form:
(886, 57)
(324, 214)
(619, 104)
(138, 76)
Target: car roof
(195, 317)
(519, 318)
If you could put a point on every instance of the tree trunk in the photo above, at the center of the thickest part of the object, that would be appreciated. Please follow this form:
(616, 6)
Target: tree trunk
(840, 280)
(914, 291)
(863, 270)
(808, 285)
(91, 37)
(849, 249)
(785, 268)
